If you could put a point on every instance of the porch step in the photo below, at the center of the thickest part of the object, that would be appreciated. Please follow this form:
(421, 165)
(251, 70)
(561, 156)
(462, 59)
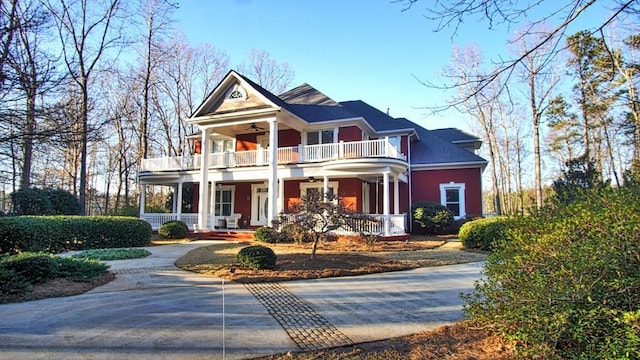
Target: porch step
(234, 235)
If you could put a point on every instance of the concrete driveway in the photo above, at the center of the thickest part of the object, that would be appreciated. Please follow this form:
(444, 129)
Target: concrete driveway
(156, 311)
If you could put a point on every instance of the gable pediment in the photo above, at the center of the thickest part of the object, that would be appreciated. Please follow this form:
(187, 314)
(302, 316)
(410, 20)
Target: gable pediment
(233, 94)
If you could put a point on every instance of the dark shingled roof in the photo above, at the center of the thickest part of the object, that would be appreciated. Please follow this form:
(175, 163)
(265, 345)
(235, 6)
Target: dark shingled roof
(312, 105)
(455, 135)
(378, 120)
(433, 150)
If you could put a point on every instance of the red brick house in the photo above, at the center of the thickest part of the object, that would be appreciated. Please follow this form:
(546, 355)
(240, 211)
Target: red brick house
(375, 163)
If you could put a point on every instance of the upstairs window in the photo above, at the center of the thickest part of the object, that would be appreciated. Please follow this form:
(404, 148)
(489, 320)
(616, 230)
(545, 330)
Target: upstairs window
(221, 145)
(320, 137)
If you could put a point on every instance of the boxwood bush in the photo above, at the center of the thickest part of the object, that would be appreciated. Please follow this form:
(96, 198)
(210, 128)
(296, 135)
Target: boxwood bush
(257, 257)
(567, 283)
(56, 234)
(483, 233)
(265, 234)
(173, 229)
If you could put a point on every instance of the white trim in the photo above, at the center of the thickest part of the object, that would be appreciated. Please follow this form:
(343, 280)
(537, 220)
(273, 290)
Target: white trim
(255, 204)
(444, 166)
(236, 87)
(215, 198)
(461, 196)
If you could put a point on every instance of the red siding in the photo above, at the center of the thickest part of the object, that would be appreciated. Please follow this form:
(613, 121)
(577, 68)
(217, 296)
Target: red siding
(246, 142)
(241, 204)
(197, 147)
(349, 133)
(426, 186)
(288, 137)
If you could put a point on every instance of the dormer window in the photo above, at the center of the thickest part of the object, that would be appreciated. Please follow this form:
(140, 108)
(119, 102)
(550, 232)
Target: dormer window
(236, 93)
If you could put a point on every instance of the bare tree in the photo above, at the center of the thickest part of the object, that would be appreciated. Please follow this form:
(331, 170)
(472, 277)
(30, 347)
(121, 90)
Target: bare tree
(87, 30)
(541, 79)
(466, 66)
(266, 72)
(450, 14)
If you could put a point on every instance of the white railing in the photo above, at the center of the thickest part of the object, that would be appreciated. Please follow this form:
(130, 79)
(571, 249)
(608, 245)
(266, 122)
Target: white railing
(372, 224)
(157, 219)
(380, 148)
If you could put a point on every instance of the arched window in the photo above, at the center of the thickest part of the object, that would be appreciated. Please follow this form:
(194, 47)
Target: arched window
(236, 93)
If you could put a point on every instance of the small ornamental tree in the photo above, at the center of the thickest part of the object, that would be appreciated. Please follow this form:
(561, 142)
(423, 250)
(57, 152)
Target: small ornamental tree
(319, 215)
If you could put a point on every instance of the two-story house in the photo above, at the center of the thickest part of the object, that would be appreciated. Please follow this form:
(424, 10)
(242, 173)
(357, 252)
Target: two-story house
(257, 153)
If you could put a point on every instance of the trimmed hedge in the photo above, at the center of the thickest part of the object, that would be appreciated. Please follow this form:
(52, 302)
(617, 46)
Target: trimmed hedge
(173, 229)
(430, 216)
(56, 234)
(257, 257)
(483, 233)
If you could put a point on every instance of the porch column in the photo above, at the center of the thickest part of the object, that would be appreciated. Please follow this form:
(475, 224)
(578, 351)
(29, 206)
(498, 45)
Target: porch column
(203, 213)
(143, 199)
(280, 195)
(212, 205)
(273, 170)
(385, 202)
(178, 200)
(396, 196)
(325, 188)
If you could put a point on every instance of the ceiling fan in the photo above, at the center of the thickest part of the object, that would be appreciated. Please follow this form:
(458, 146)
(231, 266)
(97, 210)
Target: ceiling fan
(255, 127)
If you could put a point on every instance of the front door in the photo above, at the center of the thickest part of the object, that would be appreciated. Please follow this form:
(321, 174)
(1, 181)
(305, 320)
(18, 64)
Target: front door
(259, 206)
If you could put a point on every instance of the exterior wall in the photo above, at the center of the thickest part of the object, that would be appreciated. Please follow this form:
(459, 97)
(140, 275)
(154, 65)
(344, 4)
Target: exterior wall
(247, 142)
(289, 137)
(349, 133)
(197, 147)
(426, 186)
(240, 203)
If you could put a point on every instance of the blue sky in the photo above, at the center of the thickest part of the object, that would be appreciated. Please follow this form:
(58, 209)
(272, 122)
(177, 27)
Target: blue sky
(368, 50)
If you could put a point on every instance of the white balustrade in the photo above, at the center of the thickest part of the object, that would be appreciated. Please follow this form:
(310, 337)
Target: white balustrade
(286, 155)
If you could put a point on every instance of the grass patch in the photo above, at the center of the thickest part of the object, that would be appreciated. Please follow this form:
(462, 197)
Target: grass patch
(112, 254)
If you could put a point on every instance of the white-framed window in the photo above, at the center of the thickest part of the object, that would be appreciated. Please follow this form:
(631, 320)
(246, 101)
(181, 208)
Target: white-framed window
(452, 196)
(221, 145)
(224, 200)
(321, 137)
(236, 93)
(318, 186)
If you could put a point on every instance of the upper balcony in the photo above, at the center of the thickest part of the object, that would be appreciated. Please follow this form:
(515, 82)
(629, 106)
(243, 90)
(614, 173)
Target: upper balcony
(380, 148)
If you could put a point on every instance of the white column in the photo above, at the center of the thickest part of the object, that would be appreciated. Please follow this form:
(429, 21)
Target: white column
(212, 205)
(280, 195)
(143, 198)
(178, 200)
(325, 188)
(273, 170)
(203, 213)
(396, 196)
(385, 202)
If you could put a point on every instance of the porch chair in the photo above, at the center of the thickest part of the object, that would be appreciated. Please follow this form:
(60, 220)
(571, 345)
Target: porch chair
(232, 221)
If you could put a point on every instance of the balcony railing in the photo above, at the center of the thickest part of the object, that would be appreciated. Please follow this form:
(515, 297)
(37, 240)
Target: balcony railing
(380, 148)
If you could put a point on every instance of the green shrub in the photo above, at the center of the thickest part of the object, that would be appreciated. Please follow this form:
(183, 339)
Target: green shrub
(129, 211)
(483, 233)
(566, 284)
(173, 229)
(31, 202)
(48, 201)
(265, 234)
(79, 269)
(112, 254)
(257, 257)
(63, 202)
(33, 268)
(430, 216)
(56, 234)
(11, 282)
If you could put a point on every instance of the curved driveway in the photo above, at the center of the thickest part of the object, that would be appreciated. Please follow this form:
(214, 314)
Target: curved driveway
(153, 310)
